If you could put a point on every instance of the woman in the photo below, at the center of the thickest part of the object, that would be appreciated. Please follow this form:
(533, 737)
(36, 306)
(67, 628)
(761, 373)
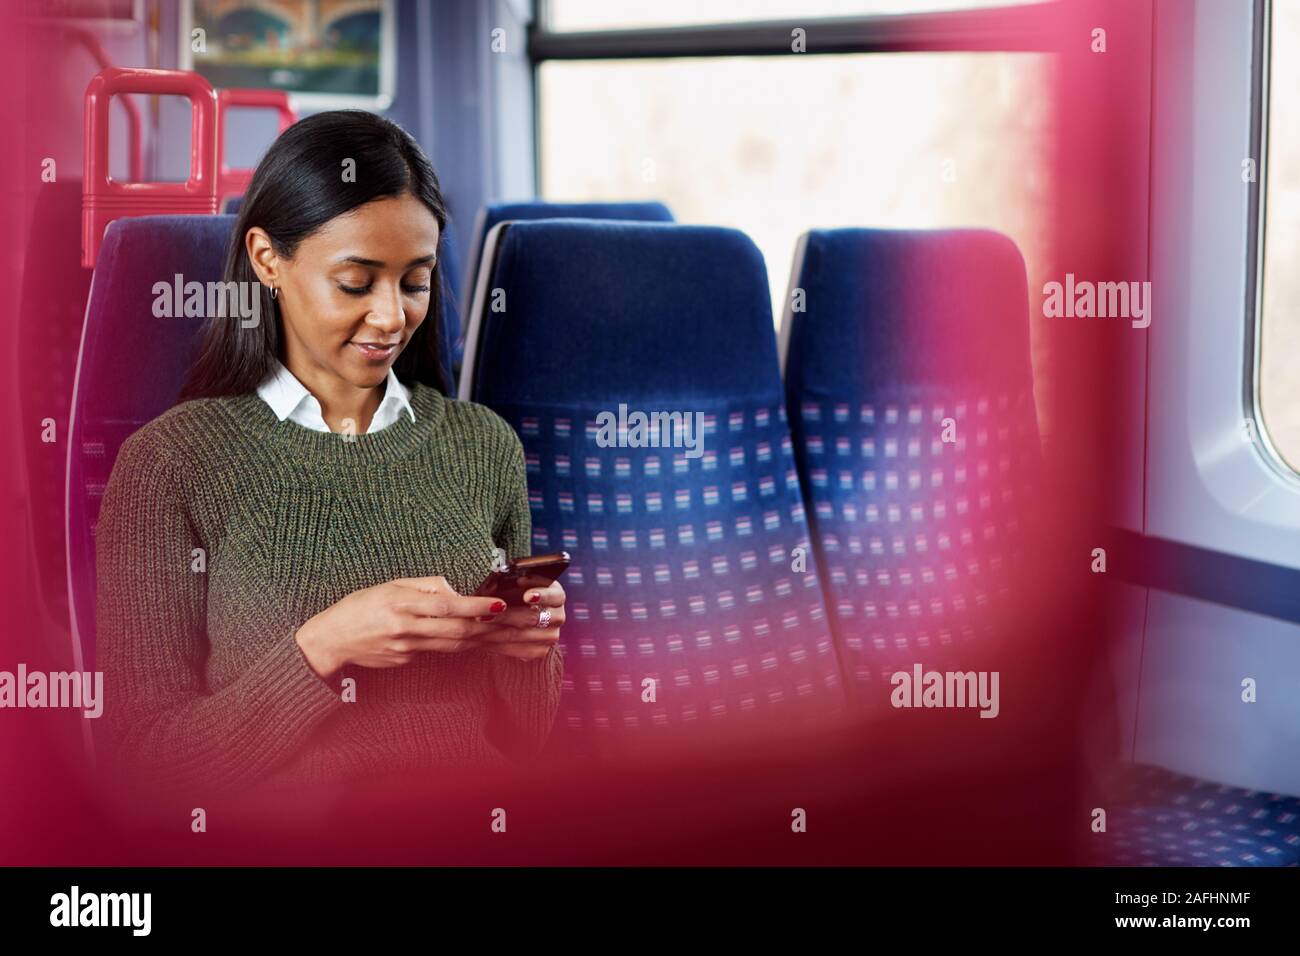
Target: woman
(285, 557)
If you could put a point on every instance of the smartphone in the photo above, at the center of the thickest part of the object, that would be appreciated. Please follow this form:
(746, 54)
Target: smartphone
(522, 575)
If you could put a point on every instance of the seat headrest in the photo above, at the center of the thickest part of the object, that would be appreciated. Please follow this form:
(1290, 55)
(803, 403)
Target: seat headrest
(913, 308)
(625, 311)
(123, 335)
(635, 211)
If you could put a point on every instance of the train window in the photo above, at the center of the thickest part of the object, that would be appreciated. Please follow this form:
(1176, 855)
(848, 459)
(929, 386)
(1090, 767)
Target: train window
(566, 15)
(779, 145)
(1279, 382)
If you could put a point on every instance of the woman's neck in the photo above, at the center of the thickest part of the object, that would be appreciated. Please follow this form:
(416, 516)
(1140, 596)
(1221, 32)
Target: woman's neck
(344, 407)
(356, 416)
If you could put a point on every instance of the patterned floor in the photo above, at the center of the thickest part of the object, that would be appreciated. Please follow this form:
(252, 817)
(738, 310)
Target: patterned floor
(1166, 819)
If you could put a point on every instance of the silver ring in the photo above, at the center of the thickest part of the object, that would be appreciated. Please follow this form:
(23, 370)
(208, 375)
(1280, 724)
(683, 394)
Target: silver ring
(543, 617)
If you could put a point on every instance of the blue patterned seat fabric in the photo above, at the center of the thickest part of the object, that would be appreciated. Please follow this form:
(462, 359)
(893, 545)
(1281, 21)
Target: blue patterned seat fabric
(682, 570)
(919, 538)
(692, 572)
(1161, 818)
(909, 384)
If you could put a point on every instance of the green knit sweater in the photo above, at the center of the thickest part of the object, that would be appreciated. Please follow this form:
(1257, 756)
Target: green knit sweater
(224, 529)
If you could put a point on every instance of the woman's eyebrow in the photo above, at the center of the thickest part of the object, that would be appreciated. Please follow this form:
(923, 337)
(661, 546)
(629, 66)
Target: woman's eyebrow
(376, 264)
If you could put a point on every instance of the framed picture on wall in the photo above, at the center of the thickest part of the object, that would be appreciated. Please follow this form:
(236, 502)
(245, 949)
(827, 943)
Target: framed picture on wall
(326, 53)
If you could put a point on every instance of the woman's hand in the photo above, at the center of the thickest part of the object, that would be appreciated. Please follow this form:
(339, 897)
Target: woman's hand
(385, 625)
(515, 632)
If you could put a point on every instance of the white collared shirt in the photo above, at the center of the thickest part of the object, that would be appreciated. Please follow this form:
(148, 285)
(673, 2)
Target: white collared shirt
(289, 398)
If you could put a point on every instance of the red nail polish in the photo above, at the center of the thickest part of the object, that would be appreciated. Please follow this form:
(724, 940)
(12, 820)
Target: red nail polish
(498, 607)
(534, 598)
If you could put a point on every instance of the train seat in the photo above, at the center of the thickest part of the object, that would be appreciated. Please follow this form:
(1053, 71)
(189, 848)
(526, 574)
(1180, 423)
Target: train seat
(130, 369)
(693, 603)
(910, 395)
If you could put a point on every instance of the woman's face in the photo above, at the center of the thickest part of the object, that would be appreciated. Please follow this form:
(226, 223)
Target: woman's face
(365, 277)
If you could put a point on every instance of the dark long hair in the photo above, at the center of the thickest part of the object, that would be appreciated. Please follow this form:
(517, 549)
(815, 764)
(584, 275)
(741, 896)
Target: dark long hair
(297, 188)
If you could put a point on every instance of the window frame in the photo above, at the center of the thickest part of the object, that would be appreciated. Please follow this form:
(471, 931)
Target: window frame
(1253, 404)
(1017, 27)
(1206, 485)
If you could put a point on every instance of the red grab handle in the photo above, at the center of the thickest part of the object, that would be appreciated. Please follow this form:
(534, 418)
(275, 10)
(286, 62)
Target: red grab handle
(234, 182)
(104, 200)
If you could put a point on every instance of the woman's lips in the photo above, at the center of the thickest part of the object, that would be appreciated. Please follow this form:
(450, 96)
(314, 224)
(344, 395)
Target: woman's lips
(375, 354)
